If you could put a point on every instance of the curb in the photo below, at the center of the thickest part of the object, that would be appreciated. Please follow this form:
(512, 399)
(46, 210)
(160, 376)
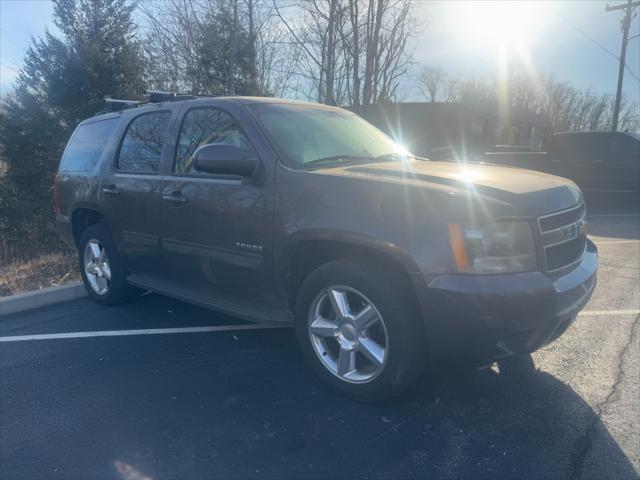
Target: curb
(41, 298)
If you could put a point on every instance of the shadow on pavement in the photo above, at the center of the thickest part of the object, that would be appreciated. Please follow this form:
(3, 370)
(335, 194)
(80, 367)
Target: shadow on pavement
(243, 405)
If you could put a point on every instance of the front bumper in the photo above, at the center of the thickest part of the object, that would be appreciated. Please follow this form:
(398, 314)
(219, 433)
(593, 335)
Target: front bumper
(489, 317)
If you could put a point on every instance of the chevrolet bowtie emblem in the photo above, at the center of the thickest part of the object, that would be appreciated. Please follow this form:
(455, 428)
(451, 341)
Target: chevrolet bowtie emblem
(582, 227)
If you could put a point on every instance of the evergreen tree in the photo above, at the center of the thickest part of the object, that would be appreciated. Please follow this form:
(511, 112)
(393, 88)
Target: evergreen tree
(222, 59)
(204, 47)
(63, 81)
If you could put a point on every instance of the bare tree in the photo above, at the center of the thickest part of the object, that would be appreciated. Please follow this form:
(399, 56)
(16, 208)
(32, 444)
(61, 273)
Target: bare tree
(214, 46)
(314, 26)
(563, 107)
(355, 50)
(629, 120)
(431, 82)
(598, 113)
(387, 27)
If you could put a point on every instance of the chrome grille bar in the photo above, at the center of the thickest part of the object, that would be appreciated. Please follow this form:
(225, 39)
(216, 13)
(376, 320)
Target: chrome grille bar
(563, 237)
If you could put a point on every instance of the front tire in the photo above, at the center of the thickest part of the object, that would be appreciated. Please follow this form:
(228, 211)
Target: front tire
(359, 328)
(101, 266)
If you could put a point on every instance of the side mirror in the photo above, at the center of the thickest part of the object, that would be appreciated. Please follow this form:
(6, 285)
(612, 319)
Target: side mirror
(223, 160)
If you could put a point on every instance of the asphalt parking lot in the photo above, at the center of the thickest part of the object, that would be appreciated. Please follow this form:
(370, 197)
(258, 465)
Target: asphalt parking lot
(225, 399)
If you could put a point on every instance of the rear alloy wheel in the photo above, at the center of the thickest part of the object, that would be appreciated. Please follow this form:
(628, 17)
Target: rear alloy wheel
(103, 271)
(96, 267)
(359, 328)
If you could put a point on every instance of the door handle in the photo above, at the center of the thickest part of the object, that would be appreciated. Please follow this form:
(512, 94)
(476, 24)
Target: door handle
(175, 198)
(598, 161)
(111, 190)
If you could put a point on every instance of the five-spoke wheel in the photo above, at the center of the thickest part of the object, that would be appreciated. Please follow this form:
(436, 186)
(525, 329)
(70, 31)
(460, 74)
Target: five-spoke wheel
(359, 328)
(96, 267)
(102, 268)
(348, 333)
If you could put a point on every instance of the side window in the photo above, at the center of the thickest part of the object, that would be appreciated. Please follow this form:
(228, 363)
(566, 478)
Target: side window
(204, 126)
(141, 149)
(86, 145)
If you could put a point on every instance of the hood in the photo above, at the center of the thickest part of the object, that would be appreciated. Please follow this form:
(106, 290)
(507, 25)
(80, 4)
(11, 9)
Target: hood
(520, 192)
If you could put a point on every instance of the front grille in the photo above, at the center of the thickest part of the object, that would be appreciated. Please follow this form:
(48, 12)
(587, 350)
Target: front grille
(563, 237)
(560, 219)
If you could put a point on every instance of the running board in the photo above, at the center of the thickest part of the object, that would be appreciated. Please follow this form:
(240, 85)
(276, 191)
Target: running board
(251, 314)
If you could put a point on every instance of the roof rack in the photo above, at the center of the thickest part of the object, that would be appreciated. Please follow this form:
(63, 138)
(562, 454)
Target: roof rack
(115, 105)
(153, 96)
(158, 96)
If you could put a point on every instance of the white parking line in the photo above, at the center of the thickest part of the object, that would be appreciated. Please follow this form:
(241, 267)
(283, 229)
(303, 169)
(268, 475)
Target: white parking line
(604, 215)
(222, 328)
(146, 331)
(611, 242)
(594, 313)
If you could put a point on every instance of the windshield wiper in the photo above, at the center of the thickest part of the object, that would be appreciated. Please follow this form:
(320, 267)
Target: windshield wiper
(341, 159)
(347, 159)
(391, 156)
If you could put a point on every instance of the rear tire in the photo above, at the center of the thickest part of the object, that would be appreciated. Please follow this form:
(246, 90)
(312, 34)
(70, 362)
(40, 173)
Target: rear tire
(102, 269)
(367, 364)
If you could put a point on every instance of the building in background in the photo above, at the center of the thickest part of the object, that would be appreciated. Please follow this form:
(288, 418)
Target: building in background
(457, 129)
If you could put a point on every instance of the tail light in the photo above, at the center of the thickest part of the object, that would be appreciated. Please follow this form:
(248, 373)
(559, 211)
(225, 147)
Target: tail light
(56, 206)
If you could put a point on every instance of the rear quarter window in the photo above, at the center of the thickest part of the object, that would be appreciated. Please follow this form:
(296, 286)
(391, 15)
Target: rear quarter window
(141, 149)
(86, 145)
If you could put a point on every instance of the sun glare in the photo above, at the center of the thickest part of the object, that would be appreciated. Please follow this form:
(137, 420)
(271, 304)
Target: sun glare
(497, 25)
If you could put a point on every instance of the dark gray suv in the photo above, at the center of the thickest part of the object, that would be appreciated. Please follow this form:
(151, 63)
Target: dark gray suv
(280, 211)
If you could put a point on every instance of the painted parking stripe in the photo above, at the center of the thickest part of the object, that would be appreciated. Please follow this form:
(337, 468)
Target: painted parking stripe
(604, 215)
(613, 242)
(594, 313)
(145, 331)
(222, 328)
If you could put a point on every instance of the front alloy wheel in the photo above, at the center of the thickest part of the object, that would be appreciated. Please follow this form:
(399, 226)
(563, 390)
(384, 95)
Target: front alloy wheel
(348, 334)
(360, 328)
(96, 267)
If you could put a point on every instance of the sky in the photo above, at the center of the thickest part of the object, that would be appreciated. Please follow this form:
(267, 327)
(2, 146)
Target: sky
(545, 37)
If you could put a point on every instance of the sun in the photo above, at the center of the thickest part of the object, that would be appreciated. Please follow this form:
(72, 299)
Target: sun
(497, 25)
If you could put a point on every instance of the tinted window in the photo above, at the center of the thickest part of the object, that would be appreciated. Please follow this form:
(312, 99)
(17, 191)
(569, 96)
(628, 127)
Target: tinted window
(86, 145)
(141, 148)
(205, 126)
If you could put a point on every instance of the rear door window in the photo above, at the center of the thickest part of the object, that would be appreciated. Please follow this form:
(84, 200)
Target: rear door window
(86, 145)
(141, 150)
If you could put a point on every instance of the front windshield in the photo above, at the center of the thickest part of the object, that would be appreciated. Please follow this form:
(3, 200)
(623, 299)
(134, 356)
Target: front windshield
(306, 135)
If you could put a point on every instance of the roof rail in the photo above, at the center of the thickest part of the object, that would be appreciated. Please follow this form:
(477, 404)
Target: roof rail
(153, 96)
(115, 105)
(157, 96)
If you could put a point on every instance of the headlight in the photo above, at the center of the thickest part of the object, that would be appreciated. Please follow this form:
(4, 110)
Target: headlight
(498, 247)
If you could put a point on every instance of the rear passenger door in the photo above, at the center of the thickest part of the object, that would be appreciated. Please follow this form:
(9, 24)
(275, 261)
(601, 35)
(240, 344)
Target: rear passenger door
(130, 190)
(219, 229)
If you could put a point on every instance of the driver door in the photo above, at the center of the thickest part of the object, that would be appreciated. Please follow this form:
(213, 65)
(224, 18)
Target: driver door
(219, 234)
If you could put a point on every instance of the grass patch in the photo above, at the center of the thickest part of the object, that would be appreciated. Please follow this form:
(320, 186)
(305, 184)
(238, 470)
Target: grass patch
(49, 270)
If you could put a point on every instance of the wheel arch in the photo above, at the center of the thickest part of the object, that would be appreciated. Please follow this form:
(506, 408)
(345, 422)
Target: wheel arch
(82, 218)
(310, 250)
